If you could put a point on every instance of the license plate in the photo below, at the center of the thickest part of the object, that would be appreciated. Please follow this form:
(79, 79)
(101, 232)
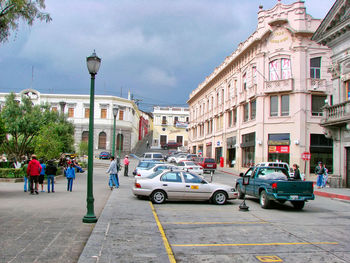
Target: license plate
(210, 165)
(294, 197)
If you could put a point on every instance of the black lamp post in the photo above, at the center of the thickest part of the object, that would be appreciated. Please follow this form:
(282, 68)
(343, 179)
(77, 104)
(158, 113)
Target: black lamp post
(93, 63)
(115, 113)
(243, 206)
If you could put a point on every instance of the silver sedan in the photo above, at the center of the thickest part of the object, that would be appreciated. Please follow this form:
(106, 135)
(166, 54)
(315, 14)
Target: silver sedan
(181, 185)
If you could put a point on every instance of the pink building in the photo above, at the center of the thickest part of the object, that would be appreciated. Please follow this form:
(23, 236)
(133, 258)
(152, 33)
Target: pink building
(264, 102)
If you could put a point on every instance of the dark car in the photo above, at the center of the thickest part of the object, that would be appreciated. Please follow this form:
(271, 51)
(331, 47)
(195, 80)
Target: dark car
(208, 164)
(171, 145)
(104, 155)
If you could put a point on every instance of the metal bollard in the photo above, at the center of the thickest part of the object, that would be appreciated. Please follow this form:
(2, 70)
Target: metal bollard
(211, 176)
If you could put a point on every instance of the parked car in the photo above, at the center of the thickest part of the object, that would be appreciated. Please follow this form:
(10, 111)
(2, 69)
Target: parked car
(180, 157)
(152, 169)
(277, 164)
(274, 184)
(180, 185)
(172, 158)
(153, 156)
(171, 145)
(142, 165)
(104, 155)
(208, 164)
(190, 166)
(191, 157)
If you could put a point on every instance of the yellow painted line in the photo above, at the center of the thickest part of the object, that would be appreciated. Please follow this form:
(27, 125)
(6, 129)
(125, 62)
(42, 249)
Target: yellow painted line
(255, 244)
(162, 233)
(269, 259)
(214, 223)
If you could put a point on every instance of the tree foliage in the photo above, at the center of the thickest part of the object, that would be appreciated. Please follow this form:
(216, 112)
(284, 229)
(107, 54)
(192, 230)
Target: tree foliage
(34, 127)
(11, 11)
(83, 148)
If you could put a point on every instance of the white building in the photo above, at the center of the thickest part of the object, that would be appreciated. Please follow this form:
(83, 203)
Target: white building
(77, 108)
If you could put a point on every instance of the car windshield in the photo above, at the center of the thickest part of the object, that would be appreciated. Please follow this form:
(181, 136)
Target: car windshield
(157, 155)
(155, 174)
(189, 163)
(144, 164)
(209, 160)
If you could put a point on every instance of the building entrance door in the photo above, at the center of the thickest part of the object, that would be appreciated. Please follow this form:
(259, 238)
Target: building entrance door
(163, 140)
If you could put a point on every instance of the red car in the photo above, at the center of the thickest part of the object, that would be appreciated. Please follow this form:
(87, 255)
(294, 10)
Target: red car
(208, 164)
(171, 145)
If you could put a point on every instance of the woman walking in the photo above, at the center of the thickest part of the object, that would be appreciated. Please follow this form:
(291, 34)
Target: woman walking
(113, 174)
(70, 174)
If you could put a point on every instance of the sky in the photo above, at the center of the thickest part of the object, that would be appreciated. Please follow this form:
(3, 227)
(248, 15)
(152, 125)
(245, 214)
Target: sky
(159, 50)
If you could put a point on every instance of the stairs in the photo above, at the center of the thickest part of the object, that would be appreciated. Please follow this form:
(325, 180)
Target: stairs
(141, 146)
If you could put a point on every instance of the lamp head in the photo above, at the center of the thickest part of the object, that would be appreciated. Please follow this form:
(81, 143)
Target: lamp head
(115, 111)
(93, 63)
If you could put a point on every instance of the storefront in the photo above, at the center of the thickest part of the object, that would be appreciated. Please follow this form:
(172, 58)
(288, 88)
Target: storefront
(218, 151)
(248, 149)
(208, 149)
(231, 151)
(321, 149)
(279, 147)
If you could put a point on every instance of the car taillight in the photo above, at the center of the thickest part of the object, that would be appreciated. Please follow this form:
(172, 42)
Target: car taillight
(274, 186)
(138, 175)
(137, 185)
(190, 168)
(201, 168)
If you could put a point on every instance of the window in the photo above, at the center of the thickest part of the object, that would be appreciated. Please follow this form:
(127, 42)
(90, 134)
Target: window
(87, 113)
(103, 113)
(284, 105)
(230, 113)
(187, 119)
(191, 178)
(273, 106)
(54, 109)
(176, 119)
(246, 112)
(234, 117)
(102, 139)
(318, 101)
(315, 68)
(171, 177)
(254, 74)
(121, 115)
(280, 69)
(163, 119)
(347, 87)
(274, 70)
(285, 68)
(253, 110)
(70, 112)
(85, 136)
(244, 81)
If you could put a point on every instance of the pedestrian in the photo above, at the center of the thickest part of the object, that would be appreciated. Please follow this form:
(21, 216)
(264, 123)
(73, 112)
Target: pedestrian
(51, 171)
(26, 176)
(34, 170)
(325, 177)
(70, 174)
(42, 174)
(126, 165)
(147, 145)
(76, 165)
(113, 173)
(319, 170)
(296, 172)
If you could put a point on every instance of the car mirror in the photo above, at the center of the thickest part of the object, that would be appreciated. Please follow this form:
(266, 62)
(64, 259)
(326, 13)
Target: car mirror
(241, 175)
(203, 182)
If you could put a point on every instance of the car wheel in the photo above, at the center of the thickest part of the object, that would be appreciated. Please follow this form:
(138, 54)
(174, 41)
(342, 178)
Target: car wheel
(219, 198)
(240, 192)
(264, 201)
(298, 204)
(158, 197)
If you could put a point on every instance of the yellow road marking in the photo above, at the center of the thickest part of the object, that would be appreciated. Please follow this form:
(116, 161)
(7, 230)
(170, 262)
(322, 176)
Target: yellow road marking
(269, 259)
(213, 223)
(255, 244)
(162, 233)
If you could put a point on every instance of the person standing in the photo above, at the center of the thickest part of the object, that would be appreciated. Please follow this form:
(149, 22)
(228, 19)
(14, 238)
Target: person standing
(26, 176)
(319, 170)
(34, 170)
(51, 171)
(42, 175)
(113, 173)
(325, 177)
(126, 165)
(296, 172)
(147, 144)
(70, 174)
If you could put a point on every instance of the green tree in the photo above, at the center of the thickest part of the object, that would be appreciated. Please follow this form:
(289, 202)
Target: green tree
(12, 11)
(83, 148)
(25, 121)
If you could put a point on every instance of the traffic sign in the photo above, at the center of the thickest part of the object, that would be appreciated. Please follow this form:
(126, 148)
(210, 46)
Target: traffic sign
(306, 156)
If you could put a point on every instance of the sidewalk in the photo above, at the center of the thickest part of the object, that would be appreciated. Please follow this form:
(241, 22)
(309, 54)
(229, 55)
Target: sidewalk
(334, 193)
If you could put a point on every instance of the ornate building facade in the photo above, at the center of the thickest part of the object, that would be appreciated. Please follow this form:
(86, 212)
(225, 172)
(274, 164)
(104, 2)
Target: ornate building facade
(264, 102)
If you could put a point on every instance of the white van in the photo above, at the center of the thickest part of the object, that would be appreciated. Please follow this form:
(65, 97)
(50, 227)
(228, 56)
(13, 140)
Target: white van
(153, 156)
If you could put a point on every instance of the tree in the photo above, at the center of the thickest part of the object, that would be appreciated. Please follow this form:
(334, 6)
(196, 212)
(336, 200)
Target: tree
(25, 121)
(83, 148)
(11, 11)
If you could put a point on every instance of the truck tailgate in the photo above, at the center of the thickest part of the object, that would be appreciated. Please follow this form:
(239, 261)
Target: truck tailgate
(295, 187)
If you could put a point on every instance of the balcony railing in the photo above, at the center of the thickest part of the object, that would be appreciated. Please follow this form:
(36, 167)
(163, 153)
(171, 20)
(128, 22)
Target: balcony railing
(338, 114)
(282, 85)
(317, 85)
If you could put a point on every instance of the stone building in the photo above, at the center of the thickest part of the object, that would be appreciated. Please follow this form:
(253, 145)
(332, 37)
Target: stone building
(334, 32)
(264, 102)
(76, 107)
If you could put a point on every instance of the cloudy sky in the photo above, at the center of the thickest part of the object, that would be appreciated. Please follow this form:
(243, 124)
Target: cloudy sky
(160, 50)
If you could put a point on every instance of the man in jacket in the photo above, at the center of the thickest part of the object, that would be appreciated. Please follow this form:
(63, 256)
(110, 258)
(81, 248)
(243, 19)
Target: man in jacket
(126, 165)
(34, 170)
(319, 170)
(113, 174)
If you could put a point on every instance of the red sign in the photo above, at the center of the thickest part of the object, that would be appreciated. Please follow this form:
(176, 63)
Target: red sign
(306, 156)
(279, 149)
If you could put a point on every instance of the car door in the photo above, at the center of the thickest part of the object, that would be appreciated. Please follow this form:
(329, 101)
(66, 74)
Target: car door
(195, 187)
(172, 184)
(250, 187)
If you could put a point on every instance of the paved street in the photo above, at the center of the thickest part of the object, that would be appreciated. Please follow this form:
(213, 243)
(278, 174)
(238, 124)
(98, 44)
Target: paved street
(48, 227)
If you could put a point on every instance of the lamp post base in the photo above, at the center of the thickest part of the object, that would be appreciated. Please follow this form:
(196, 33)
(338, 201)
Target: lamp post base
(243, 207)
(89, 219)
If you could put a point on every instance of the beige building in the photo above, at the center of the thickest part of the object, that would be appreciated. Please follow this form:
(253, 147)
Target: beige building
(170, 125)
(335, 33)
(264, 102)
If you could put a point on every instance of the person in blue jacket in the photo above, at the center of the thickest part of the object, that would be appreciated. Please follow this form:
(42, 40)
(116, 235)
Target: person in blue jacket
(113, 173)
(70, 174)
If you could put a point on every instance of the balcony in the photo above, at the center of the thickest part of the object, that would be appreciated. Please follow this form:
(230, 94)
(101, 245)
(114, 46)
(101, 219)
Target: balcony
(164, 122)
(336, 115)
(317, 85)
(275, 86)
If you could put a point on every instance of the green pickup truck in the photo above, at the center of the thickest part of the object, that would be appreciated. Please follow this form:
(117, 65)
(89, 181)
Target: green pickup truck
(274, 184)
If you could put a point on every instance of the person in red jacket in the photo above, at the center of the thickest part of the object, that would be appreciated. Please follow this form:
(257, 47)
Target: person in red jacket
(33, 170)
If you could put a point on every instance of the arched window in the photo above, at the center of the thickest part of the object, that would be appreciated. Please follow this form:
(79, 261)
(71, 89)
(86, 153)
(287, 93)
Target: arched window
(102, 139)
(85, 136)
(120, 141)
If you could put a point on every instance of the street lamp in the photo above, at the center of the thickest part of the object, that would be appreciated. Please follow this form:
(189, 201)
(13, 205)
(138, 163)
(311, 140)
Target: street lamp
(93, 63)
(115, 113)
(120, 140)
